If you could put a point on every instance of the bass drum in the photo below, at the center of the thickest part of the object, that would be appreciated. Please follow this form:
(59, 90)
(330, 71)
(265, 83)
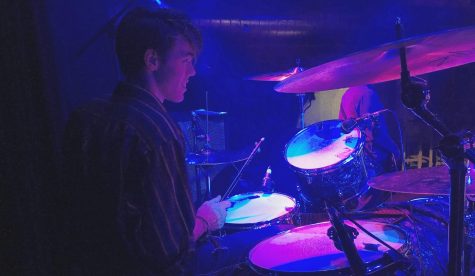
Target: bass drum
(328, 162)
(308, 249)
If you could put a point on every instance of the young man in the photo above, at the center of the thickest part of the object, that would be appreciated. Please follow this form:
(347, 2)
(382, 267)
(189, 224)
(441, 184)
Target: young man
(128, 208)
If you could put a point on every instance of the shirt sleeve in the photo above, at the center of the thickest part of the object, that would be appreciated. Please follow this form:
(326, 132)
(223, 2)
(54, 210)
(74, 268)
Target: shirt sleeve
(156, 219)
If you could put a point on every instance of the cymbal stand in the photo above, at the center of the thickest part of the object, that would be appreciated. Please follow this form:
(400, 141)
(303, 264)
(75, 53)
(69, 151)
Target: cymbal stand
(203, 169)
(206, 147)
(301, 97)
(200, 170)
(415, 96)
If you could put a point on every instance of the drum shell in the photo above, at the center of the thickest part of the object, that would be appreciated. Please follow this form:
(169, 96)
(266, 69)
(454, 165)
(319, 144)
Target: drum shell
(286, 218)
(336, 185)
(335, 182)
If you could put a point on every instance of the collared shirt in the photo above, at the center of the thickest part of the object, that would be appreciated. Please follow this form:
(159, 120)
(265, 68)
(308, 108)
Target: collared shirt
(128, 205)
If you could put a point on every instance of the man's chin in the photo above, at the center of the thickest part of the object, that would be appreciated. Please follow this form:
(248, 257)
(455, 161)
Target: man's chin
(177, 99)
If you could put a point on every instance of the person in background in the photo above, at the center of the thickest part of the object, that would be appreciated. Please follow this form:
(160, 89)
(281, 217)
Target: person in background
(381, 153)
(127, 204)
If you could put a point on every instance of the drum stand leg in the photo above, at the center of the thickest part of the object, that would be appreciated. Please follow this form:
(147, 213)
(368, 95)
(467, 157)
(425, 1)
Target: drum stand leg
(199, 197)
(203, 173)
(302, 98)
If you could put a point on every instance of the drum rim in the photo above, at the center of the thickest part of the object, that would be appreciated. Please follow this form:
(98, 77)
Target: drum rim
(403, 250)
(261, 224)
(313, 171)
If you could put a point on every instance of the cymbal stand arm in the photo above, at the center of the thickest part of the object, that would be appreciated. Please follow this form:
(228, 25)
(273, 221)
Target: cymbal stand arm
(415, 96)
(301, 97)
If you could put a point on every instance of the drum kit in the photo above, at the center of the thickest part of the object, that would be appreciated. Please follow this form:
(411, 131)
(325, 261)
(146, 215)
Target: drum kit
(330, 166)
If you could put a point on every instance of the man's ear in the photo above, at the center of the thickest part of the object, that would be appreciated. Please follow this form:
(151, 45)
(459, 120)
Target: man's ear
(151, 60)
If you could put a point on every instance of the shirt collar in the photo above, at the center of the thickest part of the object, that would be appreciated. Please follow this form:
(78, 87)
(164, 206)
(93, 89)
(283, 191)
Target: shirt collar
(130, 90)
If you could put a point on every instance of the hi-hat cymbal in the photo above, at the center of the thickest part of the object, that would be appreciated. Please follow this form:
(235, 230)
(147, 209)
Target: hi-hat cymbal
(276, 76)
(426, 181)
(212, 157)
(425, 54)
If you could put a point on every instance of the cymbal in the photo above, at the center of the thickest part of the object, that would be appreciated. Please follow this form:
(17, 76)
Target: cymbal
(425, 181)
(212, 157)
(204, 112)
(425, 54)
(277, 76)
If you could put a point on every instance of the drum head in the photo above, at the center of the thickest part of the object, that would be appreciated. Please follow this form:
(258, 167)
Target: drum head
(252, 208)
(321, 146)
(309, 249)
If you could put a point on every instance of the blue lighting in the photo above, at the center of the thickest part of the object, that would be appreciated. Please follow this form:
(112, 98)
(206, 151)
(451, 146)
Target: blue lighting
(161, 3)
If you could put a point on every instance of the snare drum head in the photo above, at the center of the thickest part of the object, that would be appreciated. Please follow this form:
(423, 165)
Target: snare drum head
(252, 208)
(322, 145)
(309, 249)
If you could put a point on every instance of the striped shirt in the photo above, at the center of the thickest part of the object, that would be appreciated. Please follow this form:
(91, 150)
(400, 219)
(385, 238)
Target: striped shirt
(129, 209)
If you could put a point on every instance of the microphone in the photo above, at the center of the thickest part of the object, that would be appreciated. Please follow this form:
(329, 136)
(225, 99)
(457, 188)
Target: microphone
(267, 181)
(348, 125)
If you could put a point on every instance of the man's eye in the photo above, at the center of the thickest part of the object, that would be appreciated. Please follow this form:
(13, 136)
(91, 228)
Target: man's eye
(190, 60)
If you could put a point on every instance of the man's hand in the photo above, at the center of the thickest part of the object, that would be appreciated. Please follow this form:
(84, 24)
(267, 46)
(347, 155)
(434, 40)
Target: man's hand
(214, 212)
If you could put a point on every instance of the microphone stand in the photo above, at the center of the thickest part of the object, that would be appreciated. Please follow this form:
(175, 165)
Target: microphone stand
(347, 243)
(415, 96)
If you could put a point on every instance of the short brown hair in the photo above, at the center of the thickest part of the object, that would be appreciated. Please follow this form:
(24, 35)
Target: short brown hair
(142, 29)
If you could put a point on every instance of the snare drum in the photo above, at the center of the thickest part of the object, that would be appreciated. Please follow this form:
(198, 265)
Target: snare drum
(258, 210)
(328, 162)
(308, 249)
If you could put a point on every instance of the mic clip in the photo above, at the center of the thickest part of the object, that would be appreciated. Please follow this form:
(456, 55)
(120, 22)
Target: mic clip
(332, 234)
(363, 122)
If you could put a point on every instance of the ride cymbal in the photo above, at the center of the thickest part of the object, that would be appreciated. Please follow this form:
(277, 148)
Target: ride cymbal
(425, 181)
(425, 54)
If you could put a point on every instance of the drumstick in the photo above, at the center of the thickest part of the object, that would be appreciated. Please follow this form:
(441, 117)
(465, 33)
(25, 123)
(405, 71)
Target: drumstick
(233, 184)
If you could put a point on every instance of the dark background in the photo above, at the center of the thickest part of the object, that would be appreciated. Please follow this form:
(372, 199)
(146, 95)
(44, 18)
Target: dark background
(57, 55)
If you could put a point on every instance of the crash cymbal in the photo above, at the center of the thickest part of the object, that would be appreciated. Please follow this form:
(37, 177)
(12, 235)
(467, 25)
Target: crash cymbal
(425, 54)
(426, 181)
(276, 76)
(212, 157)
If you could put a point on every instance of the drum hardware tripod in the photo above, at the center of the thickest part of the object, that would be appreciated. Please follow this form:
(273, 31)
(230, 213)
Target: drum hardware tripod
(415, 96)
(200, 170)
